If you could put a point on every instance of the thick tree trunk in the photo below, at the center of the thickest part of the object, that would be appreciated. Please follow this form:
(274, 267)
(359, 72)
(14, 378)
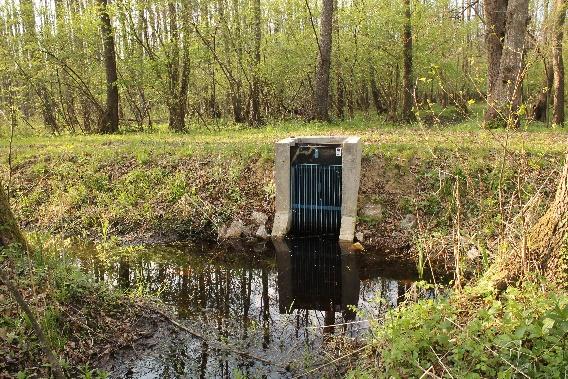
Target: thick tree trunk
(544, 248)
(255, 117)
(558, 63)
(495, 16)
(9, 231)
(178, 71)
(109, 122)
(504, 95)
(407, 76)
(321, 100)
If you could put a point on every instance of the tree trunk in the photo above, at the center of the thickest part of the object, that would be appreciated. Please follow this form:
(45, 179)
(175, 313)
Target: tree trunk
(30, 50)
(495, 15)
(504, 97)
(321, 100)
(544, 249)
(109, 123)
(540, 108)
(407, 76)
(558, 63)
(255, 117)
(9, 231)
(178, 72)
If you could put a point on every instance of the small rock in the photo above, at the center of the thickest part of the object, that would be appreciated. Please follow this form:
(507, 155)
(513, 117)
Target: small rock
(408, 222)
(235, 230)
(357, 247)
(360, 236)
(249, 231)
(371, 210)
(262, 233)
(259, 218)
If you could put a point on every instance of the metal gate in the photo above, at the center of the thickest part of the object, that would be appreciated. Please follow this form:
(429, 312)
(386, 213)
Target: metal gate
(315, 189)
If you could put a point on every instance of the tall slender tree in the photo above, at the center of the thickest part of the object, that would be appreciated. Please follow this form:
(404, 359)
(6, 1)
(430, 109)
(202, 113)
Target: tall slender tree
(33, 63)
(558, 63)
(321, 92)
(109, 122)
(255, 116)
(407, 75)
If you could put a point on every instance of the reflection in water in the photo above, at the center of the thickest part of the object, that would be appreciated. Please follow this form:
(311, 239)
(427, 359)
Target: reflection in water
(283, 314)
(313, 274)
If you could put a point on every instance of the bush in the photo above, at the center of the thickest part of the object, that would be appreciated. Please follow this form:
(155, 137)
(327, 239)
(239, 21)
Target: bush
(521, 334)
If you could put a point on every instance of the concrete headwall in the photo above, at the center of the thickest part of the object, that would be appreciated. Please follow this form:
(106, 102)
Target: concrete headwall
(351, 171)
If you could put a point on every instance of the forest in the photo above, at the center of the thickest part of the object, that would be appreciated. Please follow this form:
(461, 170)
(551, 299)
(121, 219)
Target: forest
(187, 64)
(139, 189)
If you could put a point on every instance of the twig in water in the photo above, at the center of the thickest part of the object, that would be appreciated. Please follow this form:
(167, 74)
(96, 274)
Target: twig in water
(217, 345)
(330, 362)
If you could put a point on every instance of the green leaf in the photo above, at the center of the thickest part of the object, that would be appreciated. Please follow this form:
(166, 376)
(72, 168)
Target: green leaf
(547, 324)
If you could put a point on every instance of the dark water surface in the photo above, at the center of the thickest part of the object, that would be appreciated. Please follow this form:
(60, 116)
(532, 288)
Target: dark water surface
(286, 305)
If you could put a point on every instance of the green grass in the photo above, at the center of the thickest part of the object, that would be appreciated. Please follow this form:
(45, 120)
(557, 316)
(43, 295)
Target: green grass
(377, 135)
(191, 183)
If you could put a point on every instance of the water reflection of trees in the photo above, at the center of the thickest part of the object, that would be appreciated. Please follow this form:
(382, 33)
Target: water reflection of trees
(239, 306)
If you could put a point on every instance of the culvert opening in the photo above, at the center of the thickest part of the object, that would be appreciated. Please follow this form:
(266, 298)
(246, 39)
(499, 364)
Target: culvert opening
(315, 188)
(317, 185)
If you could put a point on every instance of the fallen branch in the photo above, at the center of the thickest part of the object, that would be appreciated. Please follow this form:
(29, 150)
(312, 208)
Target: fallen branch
(55, 366)
(216, 344)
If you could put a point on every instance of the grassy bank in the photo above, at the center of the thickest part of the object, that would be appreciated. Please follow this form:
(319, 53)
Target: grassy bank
(81, 319)
(171, 186)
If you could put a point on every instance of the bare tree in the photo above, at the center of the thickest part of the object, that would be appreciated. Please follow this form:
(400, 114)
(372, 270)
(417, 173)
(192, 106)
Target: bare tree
(109, 122)
(321, 92)
(407, 76)
(558, 63)
(255, 116)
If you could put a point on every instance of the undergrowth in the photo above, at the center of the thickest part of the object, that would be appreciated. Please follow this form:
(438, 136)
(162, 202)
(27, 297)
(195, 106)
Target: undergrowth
(81, 318)
(521, 333)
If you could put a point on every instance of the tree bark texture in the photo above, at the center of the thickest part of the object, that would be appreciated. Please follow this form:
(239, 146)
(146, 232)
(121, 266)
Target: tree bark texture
(321, 100)
(539, 110)
(544, 251)
(178, 71)
(109, 123)
(504, 86)
(558, 63)
(9, 231)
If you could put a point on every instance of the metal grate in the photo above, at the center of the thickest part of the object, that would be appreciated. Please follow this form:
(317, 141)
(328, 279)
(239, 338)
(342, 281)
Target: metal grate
(316, 273)
(316, 198)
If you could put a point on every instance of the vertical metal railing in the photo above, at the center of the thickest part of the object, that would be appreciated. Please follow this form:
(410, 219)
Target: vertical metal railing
(316, 198)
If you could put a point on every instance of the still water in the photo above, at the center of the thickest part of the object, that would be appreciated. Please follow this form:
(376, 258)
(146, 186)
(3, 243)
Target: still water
(287, 305)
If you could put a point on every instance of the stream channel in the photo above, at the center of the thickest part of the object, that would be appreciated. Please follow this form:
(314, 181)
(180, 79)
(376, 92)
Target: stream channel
(294, 305)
